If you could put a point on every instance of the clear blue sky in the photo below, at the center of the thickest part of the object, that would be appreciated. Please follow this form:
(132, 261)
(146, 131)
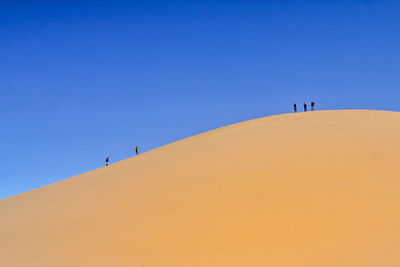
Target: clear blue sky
(82, 80)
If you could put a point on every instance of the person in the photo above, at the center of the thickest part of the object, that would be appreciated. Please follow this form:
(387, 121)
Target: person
(305, 106)
(137, 150)
(107, 161)
(312, 106)
(295, 108)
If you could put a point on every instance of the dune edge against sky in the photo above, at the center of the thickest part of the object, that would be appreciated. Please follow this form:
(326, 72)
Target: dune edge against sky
(306, 189)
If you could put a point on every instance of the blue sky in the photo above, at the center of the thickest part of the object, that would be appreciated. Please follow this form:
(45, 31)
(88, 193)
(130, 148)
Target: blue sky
(82, 80)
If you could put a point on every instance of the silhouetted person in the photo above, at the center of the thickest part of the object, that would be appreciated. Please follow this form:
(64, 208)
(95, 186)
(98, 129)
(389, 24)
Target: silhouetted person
(137, 150)
(107, 161)
(295, 108)
(305, 107)
(312, 106)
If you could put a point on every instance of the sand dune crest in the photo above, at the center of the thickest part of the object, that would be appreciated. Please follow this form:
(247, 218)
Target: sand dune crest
(307, 189)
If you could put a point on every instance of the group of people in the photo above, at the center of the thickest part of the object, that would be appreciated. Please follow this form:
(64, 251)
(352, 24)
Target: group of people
(305, 106)
(294, 107)
(108, 158)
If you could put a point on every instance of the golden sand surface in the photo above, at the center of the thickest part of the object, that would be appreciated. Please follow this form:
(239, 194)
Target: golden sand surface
(307, 189)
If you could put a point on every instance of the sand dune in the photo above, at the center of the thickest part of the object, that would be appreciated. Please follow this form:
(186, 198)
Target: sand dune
(307, 189)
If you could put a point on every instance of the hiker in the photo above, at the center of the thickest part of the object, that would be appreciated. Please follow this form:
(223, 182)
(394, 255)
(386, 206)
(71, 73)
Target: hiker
(137, 150)
(295, 108)
(312, 106)
(107, 161)
(305, 106)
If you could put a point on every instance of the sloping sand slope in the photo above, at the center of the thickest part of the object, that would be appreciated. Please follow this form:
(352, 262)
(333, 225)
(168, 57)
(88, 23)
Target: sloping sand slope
(307, 189)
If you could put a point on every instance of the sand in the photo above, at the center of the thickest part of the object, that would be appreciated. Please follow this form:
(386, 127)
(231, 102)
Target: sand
(308, 189)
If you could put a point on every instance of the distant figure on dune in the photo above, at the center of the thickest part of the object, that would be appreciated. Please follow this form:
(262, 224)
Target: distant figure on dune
(305, 106)
(107, 161)
(137, 150)
(312, 106)
(295, 108)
